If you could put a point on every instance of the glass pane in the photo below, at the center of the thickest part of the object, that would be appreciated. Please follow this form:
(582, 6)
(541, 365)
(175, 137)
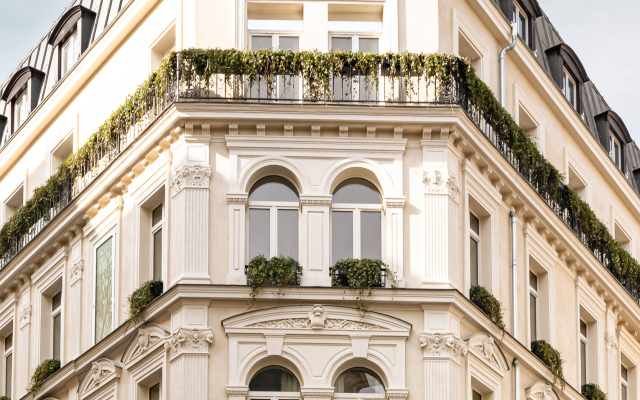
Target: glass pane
(369, 45)
(8, 342)
(260, 42)
(371, 234)
(533, 280)
(259, 233)
(157, 255)
(156, 215)
(572, 92)
(56, 301)
(533, 316)
(583, 363)
(104, 287)
(476, 396)
(583, 328)
(359, 380)
(274, 379)
(341, 43)
(522, 26)
(473, 261)
(623, 372)
(474, 223)
(341, 235)
(289, 43)
(623, 392)
(57, 320)
(356, 191)
(288, 233)
(273, 188)
(8, 376)
(154, 392)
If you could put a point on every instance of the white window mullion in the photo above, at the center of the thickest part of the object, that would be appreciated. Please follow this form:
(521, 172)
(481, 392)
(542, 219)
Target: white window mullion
(274, 232)
(357, 237)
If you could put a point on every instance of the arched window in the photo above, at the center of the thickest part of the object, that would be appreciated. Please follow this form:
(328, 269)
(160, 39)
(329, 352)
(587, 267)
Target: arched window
(359, 380)
(274, 383)
(356, 220)
(273, 218)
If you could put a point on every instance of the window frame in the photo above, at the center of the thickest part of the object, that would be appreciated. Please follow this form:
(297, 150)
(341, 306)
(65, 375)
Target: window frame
(104, 238)
(5, 354)
(280, 85)
(533, 294)
(55, 313)
(517, 13)
(20, 110)
(71, 41)
(584, 361)
(567, 80)
(614, 143)
(475, 236)
(356, 88)
(624, 382)
(158, 227)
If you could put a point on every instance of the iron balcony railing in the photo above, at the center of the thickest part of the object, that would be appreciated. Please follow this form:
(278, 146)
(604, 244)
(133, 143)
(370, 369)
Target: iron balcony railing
(353, 86)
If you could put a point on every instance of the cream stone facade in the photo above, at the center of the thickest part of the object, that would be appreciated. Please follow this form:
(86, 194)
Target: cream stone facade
(63, 293)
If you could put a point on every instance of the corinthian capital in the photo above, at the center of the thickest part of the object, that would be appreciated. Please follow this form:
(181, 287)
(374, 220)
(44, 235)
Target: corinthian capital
(191, 176)
(443, 345)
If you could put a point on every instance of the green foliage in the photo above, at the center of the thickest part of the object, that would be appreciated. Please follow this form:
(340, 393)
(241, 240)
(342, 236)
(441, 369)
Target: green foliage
(5, 398)
(141, 298)
(279, 271)
(42, 372)
(489, 305)
(592, 391)
(551, 357)
(362, 275)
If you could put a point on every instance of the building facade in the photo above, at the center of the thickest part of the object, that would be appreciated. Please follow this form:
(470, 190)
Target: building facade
(214, 169)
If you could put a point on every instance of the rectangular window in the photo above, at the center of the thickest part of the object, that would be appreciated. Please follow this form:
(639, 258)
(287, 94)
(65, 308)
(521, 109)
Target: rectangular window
(154, 392)
(56, 324)
(156, 232)
(569, 88)
(474, 248)
(342, 243)
(533, 305)
(614, 150)
(371, 240)
(624, 383)
(285, 87)
(8, 364)
(523, 23)
(583, 352)
(287, 233)
(68, 54)
(20, 111)
(104, 290)
(343, 87)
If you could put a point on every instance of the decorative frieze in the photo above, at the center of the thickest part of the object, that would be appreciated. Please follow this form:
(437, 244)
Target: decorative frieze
(315, 202)
(194, 176)
(25, 316)
(438, 182)
(317, 319)
(75, 272)
(186, 340)
(237, 199)
(443, 345)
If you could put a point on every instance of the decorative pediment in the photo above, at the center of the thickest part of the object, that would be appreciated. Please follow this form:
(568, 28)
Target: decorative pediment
(484, 346)
(315, 318)
(102, 372)
(146, 338)
(541, 390)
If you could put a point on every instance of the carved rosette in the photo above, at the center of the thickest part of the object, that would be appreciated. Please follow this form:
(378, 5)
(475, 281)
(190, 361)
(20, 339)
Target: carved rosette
(438, 182)
(443, 345)
(189, 340)
(191, 176)
(75, 272)
(25, 316)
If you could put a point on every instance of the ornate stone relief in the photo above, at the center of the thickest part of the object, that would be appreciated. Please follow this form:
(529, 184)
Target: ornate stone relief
(194, 176)
(317, 320)
(235, 199)
(25, 316)
(437, 182)
(317, 393)
(101, 371)
(145, 338)
(443, 345)
(237, 390)
(541, 390)
(75, 272)
(315, 202)
(612, 342)
(189, 340)
(486, 348)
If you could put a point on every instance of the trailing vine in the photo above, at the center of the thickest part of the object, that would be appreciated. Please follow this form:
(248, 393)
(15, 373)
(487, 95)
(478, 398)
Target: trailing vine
(551, 357)
(592, 391)
(42, 372)
(363, 275)
(489, 305)
(141, 298)
(281, 272)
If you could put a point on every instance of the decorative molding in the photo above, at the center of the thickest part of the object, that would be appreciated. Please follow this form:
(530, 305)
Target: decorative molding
(25, 316)
(397, 393)
(196, 176)
(101, 372)
(288, 130)
(75, 272)
(317, 319)
(487, 349)
(310, 393)
(442, 345)
(612, 342)
(237, 198)
(186, 340)
(437, 182)
(394, 203)
(237, 390)
(146, 338)
(315, 202)
(541, 390)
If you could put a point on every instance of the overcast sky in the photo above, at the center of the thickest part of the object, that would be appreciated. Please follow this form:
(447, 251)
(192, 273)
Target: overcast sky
(604, 35)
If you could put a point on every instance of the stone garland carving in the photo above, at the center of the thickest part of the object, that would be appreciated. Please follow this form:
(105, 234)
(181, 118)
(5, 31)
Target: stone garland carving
(25, 316)
(75, 272)
(443, 344)
(196, 176)
(437, 182)
(189, 340)
(317, 320)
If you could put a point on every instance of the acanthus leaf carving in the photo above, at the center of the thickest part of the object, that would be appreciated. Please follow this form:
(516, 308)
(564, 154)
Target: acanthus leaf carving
(101, 371)
(443, 345)
(25, 316)
(541, 390)
(438, 182)
(191, 176)
(191, 340)
(75, 272)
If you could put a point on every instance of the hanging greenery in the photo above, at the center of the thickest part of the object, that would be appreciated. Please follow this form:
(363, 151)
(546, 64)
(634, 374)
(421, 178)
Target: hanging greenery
(5, 398)
(592, 391)
(362, 274)
(551, 357)
(281, 272)
(481, 297)
(141, 298)
(42, 372)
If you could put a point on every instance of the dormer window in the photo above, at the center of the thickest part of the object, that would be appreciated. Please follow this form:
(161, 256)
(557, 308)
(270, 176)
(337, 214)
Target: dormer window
(20, 109)
(613, 137)
(568, 73)
(22, 94)
(569, 88)
(525, 13)
(71, 37)
(523, 24)
(69, 54)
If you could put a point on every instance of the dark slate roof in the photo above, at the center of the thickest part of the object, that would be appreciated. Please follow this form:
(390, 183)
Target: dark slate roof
(41, 56)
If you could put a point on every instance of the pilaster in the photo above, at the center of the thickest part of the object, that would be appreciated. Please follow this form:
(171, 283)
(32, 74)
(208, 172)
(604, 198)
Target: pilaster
(394, 230)
(237, 213)
(189, 235)
(315, 251)
(73, 309)
(21, 344)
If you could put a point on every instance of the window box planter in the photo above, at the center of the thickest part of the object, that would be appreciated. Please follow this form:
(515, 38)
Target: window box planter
(141, 298)
(592, 391)
(41, 374)
(358, 273)
(275, 272)
(551, 357)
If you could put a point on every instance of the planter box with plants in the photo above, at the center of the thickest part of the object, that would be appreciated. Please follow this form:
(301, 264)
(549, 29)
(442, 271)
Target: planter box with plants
(280, 272)
(489, 305)
(141, 298)
(361, 274)
(551, 357)
(41, 374)
(592, 391)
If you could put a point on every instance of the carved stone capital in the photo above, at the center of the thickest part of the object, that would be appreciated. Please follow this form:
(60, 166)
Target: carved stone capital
(394, 203)
(441, 182)
(443, 345)
(397, 393)
(25, 316)
(75, 272)
(186, 340)
(191, 176)
(315, 201)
